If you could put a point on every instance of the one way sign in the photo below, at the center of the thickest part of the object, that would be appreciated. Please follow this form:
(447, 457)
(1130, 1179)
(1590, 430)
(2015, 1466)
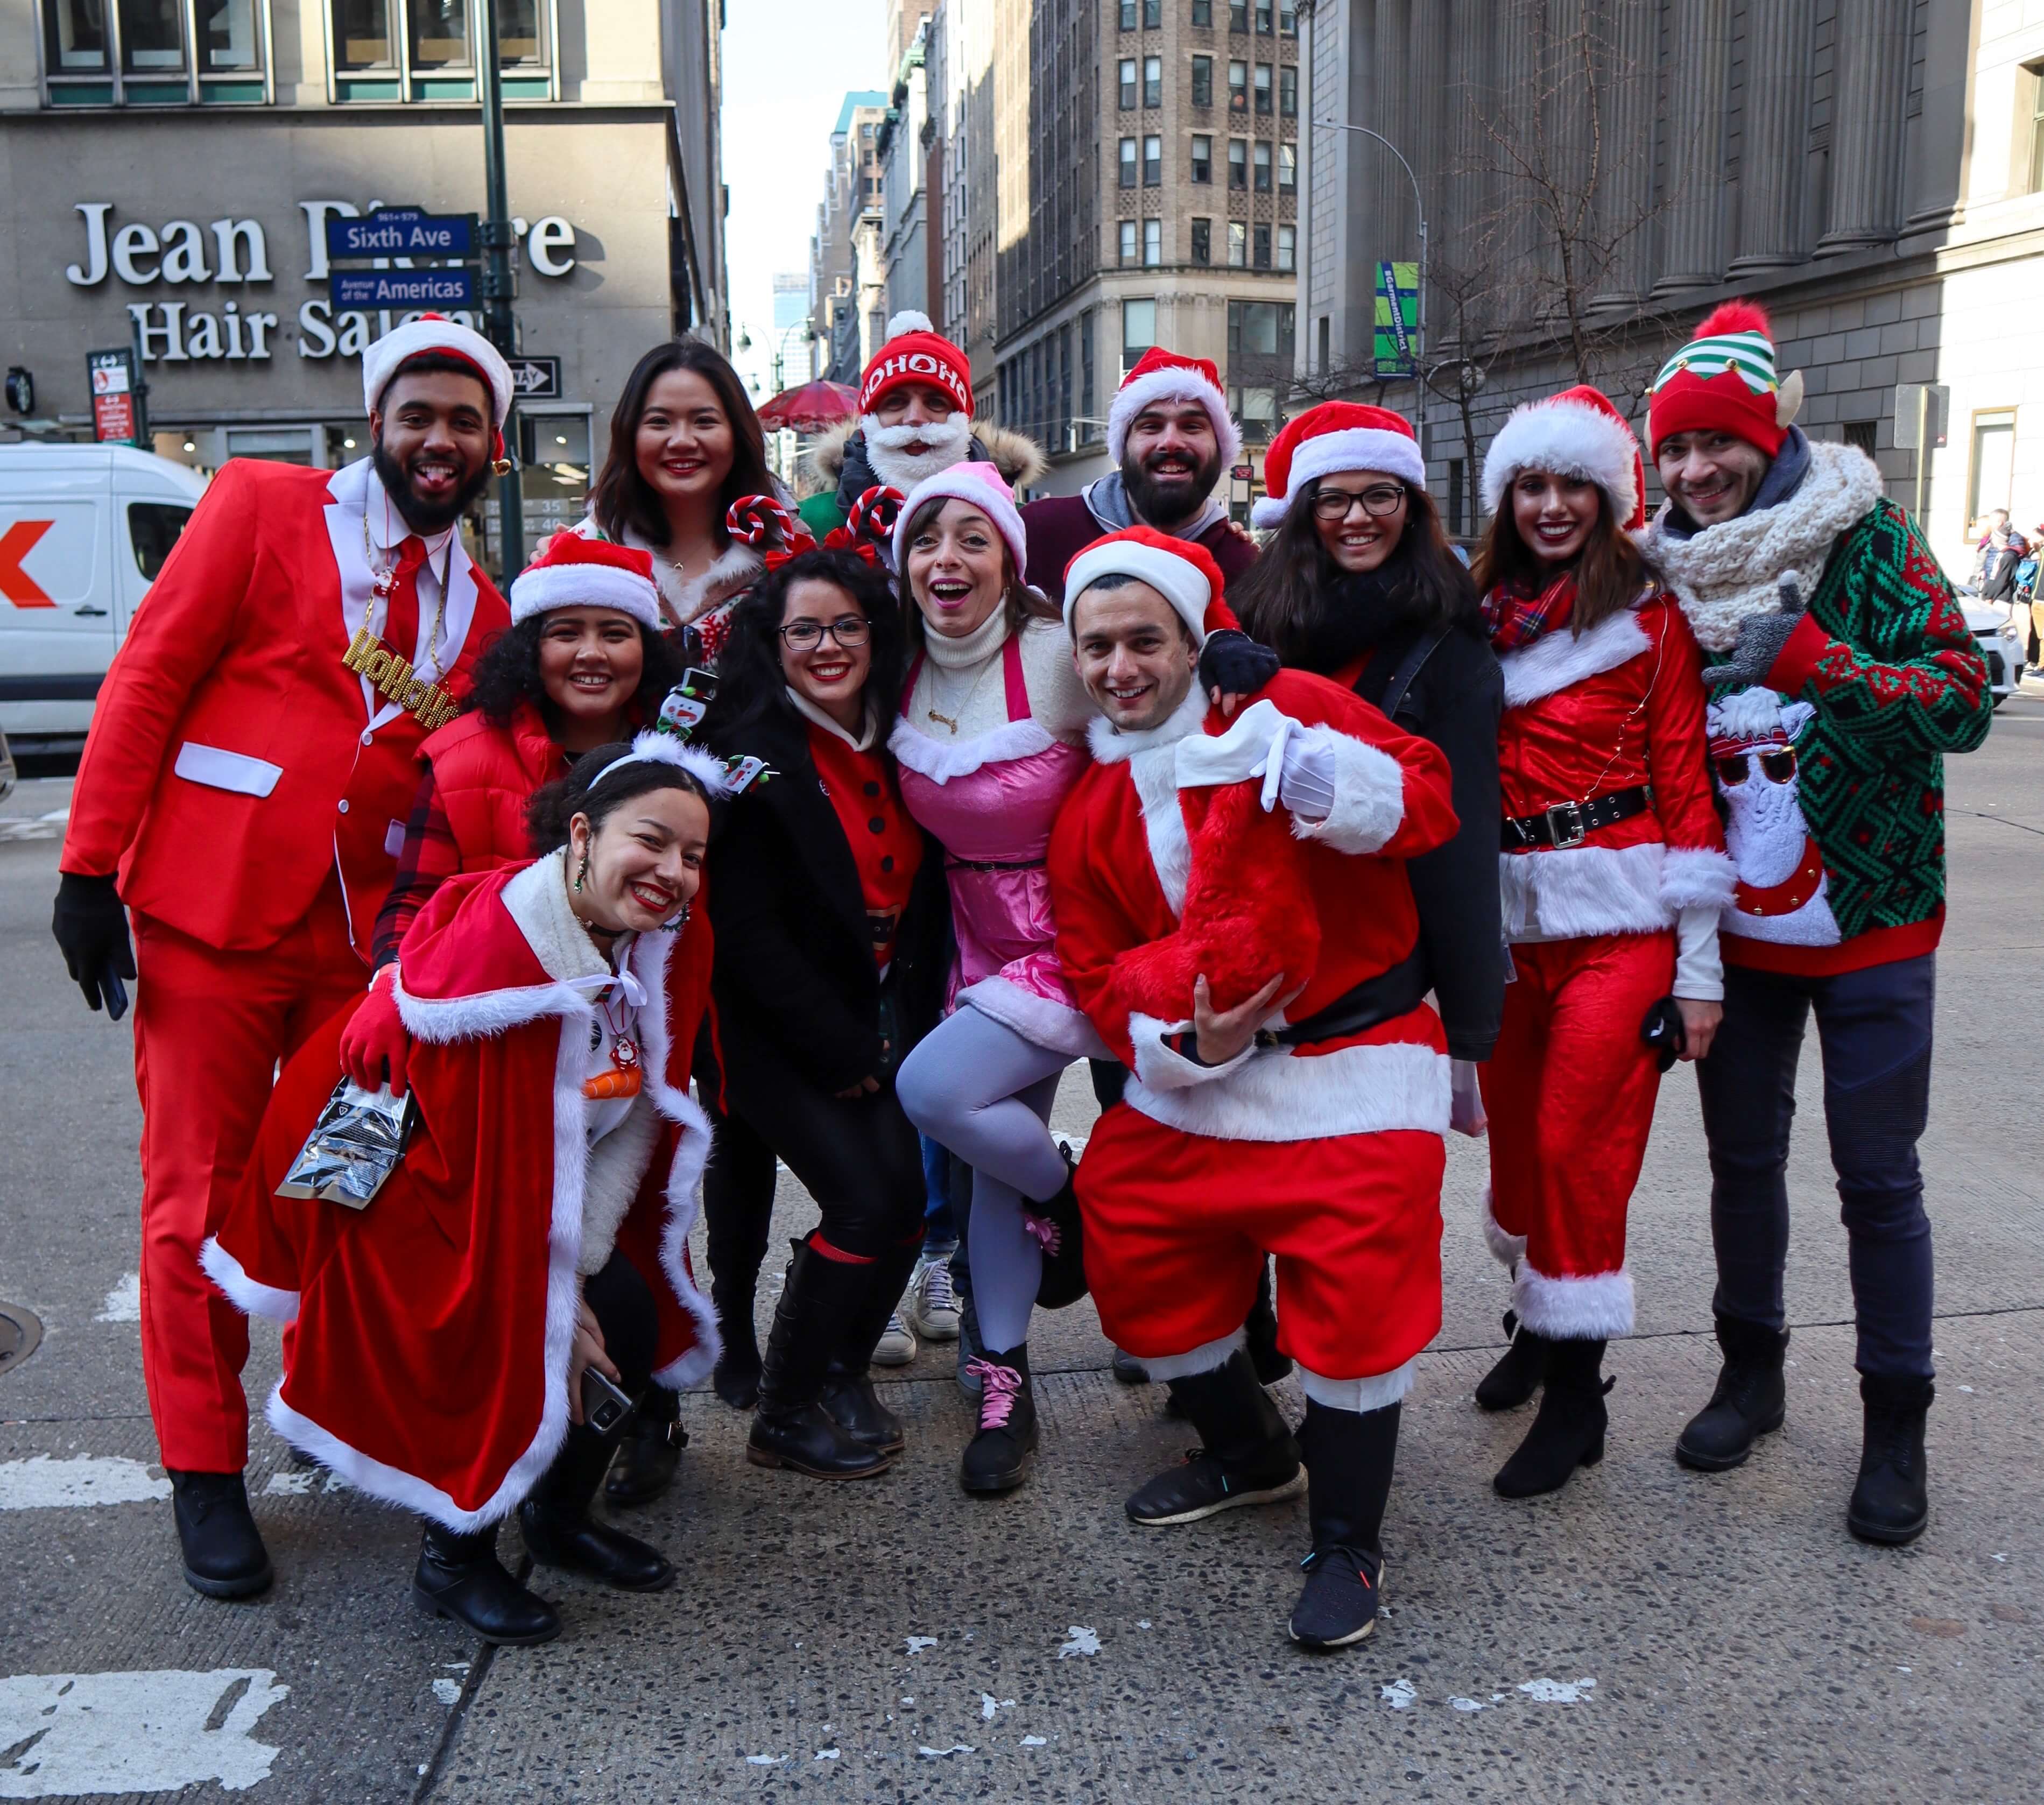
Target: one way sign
(535, 378)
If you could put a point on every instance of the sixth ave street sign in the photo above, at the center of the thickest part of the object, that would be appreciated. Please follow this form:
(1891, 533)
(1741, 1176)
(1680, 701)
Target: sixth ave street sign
(535, 378)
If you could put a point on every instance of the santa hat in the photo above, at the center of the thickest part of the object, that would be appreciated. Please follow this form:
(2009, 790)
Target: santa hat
(983, 486)
(1161, 375)
(1724, 380)
(1576, 433)
(1332, 439)
(1182, 570)
(576, 572)
(917, 353)
(434, 335)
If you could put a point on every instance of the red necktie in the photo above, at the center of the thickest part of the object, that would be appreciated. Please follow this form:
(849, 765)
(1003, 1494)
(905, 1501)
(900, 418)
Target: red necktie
(401, 617)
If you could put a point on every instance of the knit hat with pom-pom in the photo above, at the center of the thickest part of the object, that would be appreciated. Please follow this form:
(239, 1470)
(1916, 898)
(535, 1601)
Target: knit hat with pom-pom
(1725, 380)
(916, 352)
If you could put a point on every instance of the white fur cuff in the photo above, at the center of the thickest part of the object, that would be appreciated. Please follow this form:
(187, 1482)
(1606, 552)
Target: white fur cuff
(1205, 1358)
(1696, 877)
(1369, 798)
(1377, 1391)
(1507, 1250)
(1596, 1308)
(1160, 1068)
(250, 1297)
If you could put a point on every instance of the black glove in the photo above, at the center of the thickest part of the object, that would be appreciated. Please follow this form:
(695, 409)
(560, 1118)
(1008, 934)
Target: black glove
(1761, 639)
(92, 928)
(1234, 664)
(1663, 1032)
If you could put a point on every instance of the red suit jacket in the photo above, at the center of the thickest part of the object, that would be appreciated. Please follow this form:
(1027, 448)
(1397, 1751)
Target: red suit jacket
(233, 760)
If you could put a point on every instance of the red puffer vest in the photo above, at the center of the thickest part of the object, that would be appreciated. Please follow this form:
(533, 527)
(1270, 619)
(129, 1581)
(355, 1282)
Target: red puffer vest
(485, 774)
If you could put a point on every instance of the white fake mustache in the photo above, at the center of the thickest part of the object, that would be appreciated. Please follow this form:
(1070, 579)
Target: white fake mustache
(944, 443)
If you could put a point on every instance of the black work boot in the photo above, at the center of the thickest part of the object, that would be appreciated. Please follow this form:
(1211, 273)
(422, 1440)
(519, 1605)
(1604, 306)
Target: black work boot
(1350, 1456)
(1569, 1431)
(997, 1459)
(559, 1531)
(1260, 1333)
(735, 1377)
(791, 1428)
(1249, 1456)
(1519, 1375)
(459, 1576)
(848, 1395)
(224, 1555)
(1751, 1400)
(1891, 1504)
(649, 1449)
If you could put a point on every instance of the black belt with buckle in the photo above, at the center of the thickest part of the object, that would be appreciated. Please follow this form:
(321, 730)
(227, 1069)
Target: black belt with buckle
(1570, 823)
(1377, 1000)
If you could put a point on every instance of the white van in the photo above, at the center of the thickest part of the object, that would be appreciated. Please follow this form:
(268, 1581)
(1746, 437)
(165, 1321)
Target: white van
(83, 531)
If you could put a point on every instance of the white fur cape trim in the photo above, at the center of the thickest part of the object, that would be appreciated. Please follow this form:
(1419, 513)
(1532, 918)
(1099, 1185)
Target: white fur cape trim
(1110, 745)
(1283, 1095)
(251, 1296)
(1570, 438)
(1563, 893)
(1695, 876)
(1165, 385)
(1154, 770)
(617, 1163)
(1038, 1021)
(1597, 1308)
(1560, 657)
(548, 586)
(1208, 1358)
(1369, 798)
(940, 761)
(1378, 1391)
(1507, 1250)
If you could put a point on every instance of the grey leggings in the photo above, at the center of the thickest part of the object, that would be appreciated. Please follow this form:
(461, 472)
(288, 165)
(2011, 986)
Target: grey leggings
(982, 1090)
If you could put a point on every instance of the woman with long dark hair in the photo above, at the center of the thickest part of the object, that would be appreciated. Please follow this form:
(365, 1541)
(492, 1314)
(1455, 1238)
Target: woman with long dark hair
(1613, 873)
(833, 926)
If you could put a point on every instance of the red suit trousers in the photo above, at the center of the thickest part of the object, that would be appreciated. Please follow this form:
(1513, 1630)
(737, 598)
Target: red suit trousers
(211, 1030)
(1570, 1091)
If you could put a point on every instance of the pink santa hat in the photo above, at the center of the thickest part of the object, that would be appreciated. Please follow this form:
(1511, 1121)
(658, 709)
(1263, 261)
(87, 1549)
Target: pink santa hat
(985, 488)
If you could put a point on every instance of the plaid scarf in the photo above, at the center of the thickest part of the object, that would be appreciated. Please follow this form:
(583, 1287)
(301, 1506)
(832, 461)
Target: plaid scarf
(1515, 616)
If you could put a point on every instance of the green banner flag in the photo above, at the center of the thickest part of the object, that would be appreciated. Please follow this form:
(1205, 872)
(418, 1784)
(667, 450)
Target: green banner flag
(1397, 318)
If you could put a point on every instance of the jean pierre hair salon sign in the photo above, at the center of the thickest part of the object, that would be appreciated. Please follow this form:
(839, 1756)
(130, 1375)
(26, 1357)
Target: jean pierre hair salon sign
(203, 259)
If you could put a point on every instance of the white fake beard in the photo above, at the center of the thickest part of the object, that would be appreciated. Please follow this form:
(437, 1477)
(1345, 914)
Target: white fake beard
(944, 443)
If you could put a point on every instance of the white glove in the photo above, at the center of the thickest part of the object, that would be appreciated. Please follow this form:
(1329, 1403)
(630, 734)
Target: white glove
(1306, 777)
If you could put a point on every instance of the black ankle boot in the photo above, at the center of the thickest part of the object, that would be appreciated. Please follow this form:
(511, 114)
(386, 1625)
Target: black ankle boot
(791, 1428)
(1891, 1504)
(848, 1395)
(649, 1449)
(1570, 1430)
(1260, 1333)
(1248, 1456)
(559, 1531)
(1350, 1456)
(459, 1576)
(224, 1556)
(1517, 1375)
(997, 1459)
(1751, 1400)
(735, 1377)
(1064, 1281)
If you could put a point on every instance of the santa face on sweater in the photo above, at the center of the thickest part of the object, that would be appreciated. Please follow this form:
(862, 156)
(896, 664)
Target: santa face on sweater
(1754, 767)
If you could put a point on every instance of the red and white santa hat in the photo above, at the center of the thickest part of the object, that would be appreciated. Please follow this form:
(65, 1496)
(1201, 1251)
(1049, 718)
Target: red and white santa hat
(1161, 375)
(917, 353)
(1182, 570)
(1577, 433)
(1333, 439)
(435, 334)
(573, 571)
(980, 484)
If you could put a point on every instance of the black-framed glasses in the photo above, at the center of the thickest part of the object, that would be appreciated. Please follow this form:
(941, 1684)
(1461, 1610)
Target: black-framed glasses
(847, 630)
(1379, 501)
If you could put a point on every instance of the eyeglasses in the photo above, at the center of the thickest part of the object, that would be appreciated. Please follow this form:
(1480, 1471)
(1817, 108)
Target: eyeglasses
(1734, 768)
(847, 630)
(1334, 504)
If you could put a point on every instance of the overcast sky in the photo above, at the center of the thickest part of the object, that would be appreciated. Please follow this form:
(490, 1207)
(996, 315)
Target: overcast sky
(787, 65)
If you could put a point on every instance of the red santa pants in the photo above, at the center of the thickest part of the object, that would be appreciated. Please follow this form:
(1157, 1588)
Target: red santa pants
(210, 1028)
(1176, 1227)
(1570, 1091)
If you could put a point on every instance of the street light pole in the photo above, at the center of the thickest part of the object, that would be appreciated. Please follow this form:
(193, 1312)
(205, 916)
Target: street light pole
(497, 239)
(1420, 210)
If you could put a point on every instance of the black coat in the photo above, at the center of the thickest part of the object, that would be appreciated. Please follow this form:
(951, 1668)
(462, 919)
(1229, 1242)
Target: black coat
(795, 987)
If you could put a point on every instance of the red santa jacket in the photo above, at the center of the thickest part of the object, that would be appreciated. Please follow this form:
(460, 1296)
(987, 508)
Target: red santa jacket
(1619, 706)
(233, 760)
(1131, 854)
(428, 1365)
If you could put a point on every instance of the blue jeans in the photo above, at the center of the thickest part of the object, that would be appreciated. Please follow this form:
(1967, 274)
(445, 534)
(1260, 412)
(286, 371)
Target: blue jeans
(1874, 1030)
(939, 1226)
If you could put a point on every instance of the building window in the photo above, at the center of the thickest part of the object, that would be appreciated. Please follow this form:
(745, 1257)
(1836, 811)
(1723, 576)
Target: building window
(1861, 435)
(1128, 15)
(1138, 331)
(1153, 81)
(439, 34)
(152, 37)
(1238, 87)
(1202, 12)
(1086, 371)
(1129, 162)
(1152, 162)
(1152, 14)
(1153, 242)
(1259, 255)
(1238, 163)
(1203, 81)
(1263, 89)
(1203, 241)
(1288, 17)
(1287, 168)
(77, 36)
(160, 61)
(1453, 510)
(1126, 71)
(1237, 15)
(1263, 17)
(2034, 76)
(1202, 159)
(1263, 167)
(1288, 91)
(1238, 244)
(1256, 409)
(1288, 248)
(1260, 328)
(1127, 246)
(1993, 463)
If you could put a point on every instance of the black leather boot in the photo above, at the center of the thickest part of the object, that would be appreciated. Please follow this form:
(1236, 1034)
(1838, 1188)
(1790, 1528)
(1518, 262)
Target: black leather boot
(1517, 1375)
(848, 1395)
(1891, 1504)
(559, 1531)
(1064, 1281)
(735, 1377)
(224, 1555)
(459, 1576)
(791, 1428)
(1249, 1456)
(1751, 1398)
(1569, 1431)
(649, 1449)
(1349, 1457)
(1260, 1333)
(997, 1459)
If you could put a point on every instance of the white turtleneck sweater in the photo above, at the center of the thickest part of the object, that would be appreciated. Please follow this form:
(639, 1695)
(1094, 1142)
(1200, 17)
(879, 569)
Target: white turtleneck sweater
(961, 678)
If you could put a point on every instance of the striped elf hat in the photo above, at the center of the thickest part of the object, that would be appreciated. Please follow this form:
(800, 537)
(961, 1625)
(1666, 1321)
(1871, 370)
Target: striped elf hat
(1724, 380)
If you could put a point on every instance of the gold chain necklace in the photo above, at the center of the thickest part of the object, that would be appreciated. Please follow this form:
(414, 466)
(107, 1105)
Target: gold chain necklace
(383, 579)
(937, 673)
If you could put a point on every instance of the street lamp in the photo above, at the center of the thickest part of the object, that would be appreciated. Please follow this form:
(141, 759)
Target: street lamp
(1420, 208)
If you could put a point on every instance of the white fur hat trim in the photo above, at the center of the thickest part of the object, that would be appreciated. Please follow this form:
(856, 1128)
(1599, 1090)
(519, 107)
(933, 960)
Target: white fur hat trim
(545, 587)
(1176, 383)
(1338, 453)
(1570, 439)
(1178, 581)
(415, 337)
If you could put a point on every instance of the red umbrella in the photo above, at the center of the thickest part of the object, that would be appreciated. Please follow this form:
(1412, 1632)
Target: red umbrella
(814, 407)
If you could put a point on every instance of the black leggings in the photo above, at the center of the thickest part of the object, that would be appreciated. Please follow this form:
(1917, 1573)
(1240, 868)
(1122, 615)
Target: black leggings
(624, 1308)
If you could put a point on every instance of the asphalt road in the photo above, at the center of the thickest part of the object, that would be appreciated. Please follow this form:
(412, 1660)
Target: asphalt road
(1650, 1634)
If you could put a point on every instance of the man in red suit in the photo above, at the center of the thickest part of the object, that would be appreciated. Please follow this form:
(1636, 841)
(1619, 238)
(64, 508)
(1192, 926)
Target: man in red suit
(242, 793)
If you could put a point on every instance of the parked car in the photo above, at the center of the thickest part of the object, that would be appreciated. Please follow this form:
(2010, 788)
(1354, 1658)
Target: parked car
(83, 531)
(2000, 628)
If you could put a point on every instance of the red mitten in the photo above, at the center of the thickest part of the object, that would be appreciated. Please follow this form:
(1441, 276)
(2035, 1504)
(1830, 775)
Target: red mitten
(374, 1040)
